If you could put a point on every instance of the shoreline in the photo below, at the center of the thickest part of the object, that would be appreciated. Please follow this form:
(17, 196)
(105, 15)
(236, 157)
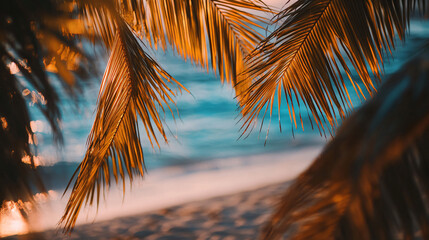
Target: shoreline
(178, 186)
(236, 216)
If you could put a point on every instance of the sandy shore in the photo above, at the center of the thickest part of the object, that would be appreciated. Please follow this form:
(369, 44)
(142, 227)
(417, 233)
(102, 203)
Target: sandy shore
(222, 199)
(236, 216)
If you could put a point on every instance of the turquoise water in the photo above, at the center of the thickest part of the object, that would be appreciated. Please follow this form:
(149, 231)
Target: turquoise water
(208, 127)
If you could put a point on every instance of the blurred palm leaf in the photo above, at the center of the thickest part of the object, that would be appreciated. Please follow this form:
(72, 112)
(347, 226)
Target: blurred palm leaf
(306, 56)
(133, 86)
(371, 181)
(27, 29)
(100, 19)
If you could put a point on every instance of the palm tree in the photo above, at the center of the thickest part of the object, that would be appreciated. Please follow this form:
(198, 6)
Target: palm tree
(215, 34)
(370, 181)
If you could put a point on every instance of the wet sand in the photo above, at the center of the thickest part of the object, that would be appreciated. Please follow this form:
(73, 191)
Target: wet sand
(237, 216)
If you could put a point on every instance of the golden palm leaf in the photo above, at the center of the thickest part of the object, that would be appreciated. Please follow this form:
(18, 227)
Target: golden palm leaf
(134, 86)
(371, 181)
(211, 33)
(308, 53)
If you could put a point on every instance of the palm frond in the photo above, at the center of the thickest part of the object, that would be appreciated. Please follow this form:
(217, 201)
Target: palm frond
(307, 55)
(211, 33)
(134, 86)
(371, 181)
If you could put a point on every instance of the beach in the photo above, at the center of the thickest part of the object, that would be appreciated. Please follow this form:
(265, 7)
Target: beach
(224, 199)
(237, 216)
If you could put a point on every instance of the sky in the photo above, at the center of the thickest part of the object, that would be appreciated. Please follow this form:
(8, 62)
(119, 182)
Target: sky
(277, 3)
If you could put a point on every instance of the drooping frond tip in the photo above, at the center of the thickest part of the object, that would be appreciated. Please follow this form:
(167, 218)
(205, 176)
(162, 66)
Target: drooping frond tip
(371, 181)
(134, 87)
(309, 56)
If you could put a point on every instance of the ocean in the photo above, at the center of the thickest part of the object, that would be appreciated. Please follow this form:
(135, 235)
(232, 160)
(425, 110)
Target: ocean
(208, 127)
